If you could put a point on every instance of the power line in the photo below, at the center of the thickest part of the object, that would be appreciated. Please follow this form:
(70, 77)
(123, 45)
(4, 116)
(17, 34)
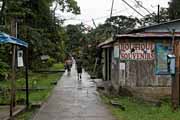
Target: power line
(138, 3)
(103, 17)
(120, 11)
(97, 18)
(133, 8)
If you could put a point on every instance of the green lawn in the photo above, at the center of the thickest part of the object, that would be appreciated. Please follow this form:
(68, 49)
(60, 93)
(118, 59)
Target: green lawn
(26, 115)
(57, 66)
(36, 80)
(42, 81)
(139, 110)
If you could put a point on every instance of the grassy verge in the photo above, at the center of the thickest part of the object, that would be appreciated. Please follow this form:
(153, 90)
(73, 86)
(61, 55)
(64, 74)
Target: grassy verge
(40, 85)
(57, 66)
(41, 82)
(26, 115)
(139, 110)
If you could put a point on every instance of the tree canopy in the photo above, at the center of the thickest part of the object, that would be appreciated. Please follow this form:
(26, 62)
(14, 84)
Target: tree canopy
(38, 25)
(122, 24)
(174, 9)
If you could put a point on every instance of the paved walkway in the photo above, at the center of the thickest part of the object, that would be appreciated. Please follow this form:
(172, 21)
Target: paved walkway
(4, 111)
(74, 100)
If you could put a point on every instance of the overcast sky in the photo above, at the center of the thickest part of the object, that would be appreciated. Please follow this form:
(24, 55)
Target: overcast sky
(99, 10)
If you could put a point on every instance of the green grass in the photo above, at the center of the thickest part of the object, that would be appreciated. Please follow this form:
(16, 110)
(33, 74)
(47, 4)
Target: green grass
(42, 81)
(36, 80)
(139, 110)
(26, 115)
(57, 66)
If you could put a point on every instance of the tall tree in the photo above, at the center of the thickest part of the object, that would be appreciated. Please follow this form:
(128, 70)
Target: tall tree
(174, 9)
(75, 35)
(122, 24)
(38, 25)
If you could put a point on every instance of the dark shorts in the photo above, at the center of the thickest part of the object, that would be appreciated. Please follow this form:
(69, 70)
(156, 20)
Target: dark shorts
(79, 70)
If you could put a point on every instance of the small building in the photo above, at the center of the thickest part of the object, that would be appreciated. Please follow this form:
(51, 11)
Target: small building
(137, 61)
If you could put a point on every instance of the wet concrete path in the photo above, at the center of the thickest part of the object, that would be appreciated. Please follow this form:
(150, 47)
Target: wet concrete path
(74, 100)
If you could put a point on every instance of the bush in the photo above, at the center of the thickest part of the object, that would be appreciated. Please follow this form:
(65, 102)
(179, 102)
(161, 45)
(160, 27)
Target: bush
(42, 64)
(4, 70)
(50, 61)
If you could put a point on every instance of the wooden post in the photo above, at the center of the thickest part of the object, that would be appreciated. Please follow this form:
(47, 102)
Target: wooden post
(176, 77)
(27, 84)
(177, 52)
(13, 76)
(13, 83)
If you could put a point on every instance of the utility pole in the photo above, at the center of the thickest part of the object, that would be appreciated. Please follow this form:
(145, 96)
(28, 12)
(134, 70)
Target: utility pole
(95, 65)
(158, 14)
(26, 74)
(94, 23)
(176, 77)
(13, 78)
(112, 6)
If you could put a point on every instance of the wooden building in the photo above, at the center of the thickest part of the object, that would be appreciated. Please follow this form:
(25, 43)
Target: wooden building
(137, 61)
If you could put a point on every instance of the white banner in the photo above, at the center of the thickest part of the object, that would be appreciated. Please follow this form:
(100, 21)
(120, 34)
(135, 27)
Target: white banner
(20, 58)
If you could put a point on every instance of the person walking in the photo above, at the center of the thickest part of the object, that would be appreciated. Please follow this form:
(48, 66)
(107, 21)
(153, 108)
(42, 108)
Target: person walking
(68, 65)
(79, 68)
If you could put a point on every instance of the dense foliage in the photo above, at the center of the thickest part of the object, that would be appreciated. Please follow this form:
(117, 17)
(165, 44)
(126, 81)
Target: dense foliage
(122, 24)
(174, 9)
(37, 25)
(74, 40)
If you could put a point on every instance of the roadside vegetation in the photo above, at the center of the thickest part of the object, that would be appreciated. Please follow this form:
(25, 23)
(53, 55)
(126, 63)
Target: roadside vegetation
(137, 109)
(46, 82)
(40, 85)
(44, 32)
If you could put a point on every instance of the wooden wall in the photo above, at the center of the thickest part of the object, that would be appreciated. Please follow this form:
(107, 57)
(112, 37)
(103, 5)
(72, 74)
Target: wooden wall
(139, 73)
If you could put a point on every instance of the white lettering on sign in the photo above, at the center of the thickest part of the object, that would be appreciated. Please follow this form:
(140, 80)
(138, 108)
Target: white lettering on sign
(137, 51)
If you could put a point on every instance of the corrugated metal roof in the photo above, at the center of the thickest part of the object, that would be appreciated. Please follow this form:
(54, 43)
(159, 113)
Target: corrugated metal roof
(155, 25)
(108, 41)
(141, 35)
(137, 35)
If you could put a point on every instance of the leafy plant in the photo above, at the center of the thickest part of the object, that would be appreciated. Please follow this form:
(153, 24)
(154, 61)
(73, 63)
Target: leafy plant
(4, 70)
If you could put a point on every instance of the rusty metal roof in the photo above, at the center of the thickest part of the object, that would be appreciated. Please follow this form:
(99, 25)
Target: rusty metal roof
(142, 35)
(108, 41)
(137, 35)
(155, 25)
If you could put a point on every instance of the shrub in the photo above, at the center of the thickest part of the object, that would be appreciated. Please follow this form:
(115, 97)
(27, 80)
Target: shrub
(4, 70)
(50, 61)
